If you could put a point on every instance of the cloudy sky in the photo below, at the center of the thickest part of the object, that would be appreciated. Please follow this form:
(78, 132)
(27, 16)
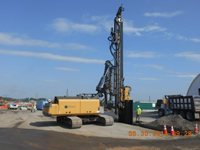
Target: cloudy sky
(47, 47)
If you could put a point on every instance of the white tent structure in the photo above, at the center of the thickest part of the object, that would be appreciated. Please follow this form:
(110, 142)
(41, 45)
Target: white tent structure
(194, 88)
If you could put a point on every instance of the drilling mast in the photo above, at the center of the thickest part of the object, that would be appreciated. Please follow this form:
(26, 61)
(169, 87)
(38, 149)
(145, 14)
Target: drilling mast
(113, 80)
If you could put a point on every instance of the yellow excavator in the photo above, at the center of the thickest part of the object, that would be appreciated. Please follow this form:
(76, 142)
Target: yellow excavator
(74, 110)
(2, 102)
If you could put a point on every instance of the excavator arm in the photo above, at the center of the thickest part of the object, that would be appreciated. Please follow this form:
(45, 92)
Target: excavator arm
(105, 86)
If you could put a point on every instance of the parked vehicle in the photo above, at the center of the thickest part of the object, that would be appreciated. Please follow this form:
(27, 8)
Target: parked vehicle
(13, 106)
(23, 108)
(186, 106)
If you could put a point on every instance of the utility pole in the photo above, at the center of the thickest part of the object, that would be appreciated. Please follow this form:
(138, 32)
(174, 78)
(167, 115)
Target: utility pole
(67, 94)
(36, 95)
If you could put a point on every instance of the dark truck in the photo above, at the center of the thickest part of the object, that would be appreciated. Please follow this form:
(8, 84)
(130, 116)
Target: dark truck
(187, 107)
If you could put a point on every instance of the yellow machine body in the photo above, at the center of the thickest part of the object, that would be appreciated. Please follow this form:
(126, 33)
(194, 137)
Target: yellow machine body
(125, 94)
(71, 107)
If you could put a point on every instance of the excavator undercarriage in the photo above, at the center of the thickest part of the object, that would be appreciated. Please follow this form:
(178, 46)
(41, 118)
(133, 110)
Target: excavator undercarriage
(77, 121)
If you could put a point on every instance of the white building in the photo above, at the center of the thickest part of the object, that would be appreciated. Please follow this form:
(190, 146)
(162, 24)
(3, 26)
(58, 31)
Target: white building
(194, 88)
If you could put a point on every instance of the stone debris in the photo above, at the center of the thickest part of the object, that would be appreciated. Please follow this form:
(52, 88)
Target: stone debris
(177, 121)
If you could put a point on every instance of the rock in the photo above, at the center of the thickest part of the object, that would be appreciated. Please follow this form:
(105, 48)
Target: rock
(177, 121)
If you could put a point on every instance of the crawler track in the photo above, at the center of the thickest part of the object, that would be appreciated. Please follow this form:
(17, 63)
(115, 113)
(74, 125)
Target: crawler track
(77, 121)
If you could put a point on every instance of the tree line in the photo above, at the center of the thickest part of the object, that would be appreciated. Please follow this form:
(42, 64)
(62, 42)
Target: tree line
(22, 99)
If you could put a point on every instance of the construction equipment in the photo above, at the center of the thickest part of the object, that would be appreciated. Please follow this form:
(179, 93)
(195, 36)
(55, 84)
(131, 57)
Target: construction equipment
(86, 107)
(187, 106)
(2, 102)
(112, 82)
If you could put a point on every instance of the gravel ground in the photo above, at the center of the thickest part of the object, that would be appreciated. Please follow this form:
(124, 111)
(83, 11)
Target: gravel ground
(24, 130)
(177, 121)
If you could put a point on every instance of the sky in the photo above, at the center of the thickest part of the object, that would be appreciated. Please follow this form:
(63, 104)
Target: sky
(47, 47)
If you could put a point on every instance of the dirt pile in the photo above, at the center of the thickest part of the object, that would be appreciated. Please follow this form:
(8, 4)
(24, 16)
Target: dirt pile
(177, 121)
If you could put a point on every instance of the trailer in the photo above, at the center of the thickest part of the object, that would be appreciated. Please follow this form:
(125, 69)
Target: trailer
(40, 104)
(187, 107)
